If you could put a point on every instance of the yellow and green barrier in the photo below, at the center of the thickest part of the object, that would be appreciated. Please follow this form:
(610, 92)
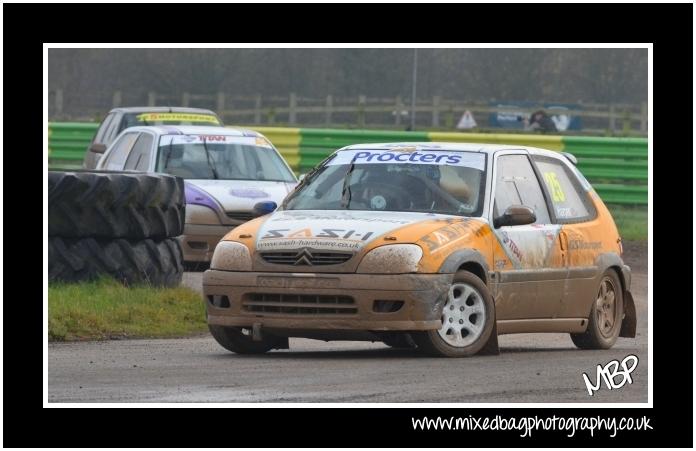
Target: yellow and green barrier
(616, 167)
(68, 141)
(286, 140)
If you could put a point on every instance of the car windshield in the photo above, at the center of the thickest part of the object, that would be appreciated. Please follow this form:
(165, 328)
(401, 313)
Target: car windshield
(138, 119)
(221, 157)
(433, 181)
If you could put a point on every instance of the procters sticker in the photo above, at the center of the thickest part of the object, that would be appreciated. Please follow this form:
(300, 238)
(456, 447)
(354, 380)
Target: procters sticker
(412, 156)
(329, 230)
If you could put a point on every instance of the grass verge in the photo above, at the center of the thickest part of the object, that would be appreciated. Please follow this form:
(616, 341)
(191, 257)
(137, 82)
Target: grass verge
(632, 221)
(106, 309)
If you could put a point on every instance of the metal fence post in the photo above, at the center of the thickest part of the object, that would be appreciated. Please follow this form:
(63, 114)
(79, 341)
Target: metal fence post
(116, 100)
(398, 108)
(449, 119)
(59, 101)
(643, 117)
(329, 109)
(151, 98)
(436, 111)
(612, 119)
(257, 109)
(292, 114)
(361, 111)
(626, 126)
(185, 99)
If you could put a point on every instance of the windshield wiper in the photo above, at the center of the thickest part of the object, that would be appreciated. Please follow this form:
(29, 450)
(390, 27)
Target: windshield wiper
(169, 154)
(345, 200)
(210, 164)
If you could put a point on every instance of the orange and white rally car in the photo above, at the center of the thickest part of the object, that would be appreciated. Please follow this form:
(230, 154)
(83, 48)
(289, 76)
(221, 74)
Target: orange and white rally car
(437, 245)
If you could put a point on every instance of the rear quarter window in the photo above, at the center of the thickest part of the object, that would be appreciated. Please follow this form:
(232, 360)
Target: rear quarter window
(118, 154)
(569, 199)
(139, 157)
(112, 130)
(99, 137)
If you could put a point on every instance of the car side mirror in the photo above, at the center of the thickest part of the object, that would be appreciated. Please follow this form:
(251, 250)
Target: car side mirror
(97, 148)
(302, 177)
(515, 215)
(264, 208)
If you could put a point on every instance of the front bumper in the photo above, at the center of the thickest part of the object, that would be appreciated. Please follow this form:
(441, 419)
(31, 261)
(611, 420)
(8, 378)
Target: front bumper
(198, 241)
(255, 299)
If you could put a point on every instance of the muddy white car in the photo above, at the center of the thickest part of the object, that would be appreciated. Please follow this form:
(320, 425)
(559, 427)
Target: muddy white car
(434, 245)
(231, 176)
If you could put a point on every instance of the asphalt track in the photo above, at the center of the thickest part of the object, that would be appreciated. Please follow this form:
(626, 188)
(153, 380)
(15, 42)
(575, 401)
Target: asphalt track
(530, 368)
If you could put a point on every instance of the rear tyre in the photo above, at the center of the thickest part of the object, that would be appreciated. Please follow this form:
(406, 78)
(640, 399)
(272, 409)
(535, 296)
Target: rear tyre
(152, 262)
(604, 324)
(115, 205)
(232, 339)
(467, 317)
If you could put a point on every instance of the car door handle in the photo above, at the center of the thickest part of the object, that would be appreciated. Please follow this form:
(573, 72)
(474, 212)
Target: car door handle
(563, 239)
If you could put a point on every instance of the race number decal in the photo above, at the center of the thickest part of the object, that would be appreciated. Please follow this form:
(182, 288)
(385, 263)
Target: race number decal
(557, 194)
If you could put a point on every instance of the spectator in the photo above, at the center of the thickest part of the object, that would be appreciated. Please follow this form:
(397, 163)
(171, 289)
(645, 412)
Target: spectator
(539, 120)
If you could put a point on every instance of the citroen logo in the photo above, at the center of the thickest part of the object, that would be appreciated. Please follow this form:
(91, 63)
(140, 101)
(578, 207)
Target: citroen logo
(303, 257)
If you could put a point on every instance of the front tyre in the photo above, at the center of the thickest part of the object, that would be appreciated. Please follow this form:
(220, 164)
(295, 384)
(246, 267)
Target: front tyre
(606, 316)
(232, 339)
(467, 317)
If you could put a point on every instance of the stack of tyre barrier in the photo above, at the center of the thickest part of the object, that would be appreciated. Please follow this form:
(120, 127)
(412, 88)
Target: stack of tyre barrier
(119, 224)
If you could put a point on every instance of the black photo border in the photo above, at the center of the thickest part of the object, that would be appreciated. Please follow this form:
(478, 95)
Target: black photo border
(26, 27)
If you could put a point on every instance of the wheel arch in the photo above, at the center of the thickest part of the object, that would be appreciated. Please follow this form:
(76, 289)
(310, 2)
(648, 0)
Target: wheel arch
(613, 261)
(469, 260)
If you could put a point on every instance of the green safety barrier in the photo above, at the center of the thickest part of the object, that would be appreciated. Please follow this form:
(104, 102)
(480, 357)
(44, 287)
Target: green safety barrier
(616, 167)
(543, 141)
(67, 143)
(286, 140)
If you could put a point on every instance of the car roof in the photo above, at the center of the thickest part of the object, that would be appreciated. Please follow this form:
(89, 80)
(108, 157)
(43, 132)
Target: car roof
(194, 130)
(449, 146)
(161, 109)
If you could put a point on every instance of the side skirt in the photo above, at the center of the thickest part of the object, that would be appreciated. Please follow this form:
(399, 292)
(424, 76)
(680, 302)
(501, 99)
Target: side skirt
(519, 326)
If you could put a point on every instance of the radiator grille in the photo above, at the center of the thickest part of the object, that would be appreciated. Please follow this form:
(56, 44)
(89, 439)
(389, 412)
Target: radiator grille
(299, 304)
(306, 258)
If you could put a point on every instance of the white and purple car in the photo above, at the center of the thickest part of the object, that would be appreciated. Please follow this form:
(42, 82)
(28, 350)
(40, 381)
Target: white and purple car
(231, 176)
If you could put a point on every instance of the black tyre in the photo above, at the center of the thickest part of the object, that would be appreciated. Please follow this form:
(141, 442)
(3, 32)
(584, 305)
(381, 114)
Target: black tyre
(115, 205)
(232, 339)
(153, 262)
(604, 324)
(468, 318)
(399, 340)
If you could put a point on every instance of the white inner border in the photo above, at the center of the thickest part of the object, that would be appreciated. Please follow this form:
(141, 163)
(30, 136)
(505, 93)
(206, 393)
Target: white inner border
(649, 404)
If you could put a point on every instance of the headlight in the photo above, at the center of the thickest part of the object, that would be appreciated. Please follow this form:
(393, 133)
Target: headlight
(231, 256)
(392, 259)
